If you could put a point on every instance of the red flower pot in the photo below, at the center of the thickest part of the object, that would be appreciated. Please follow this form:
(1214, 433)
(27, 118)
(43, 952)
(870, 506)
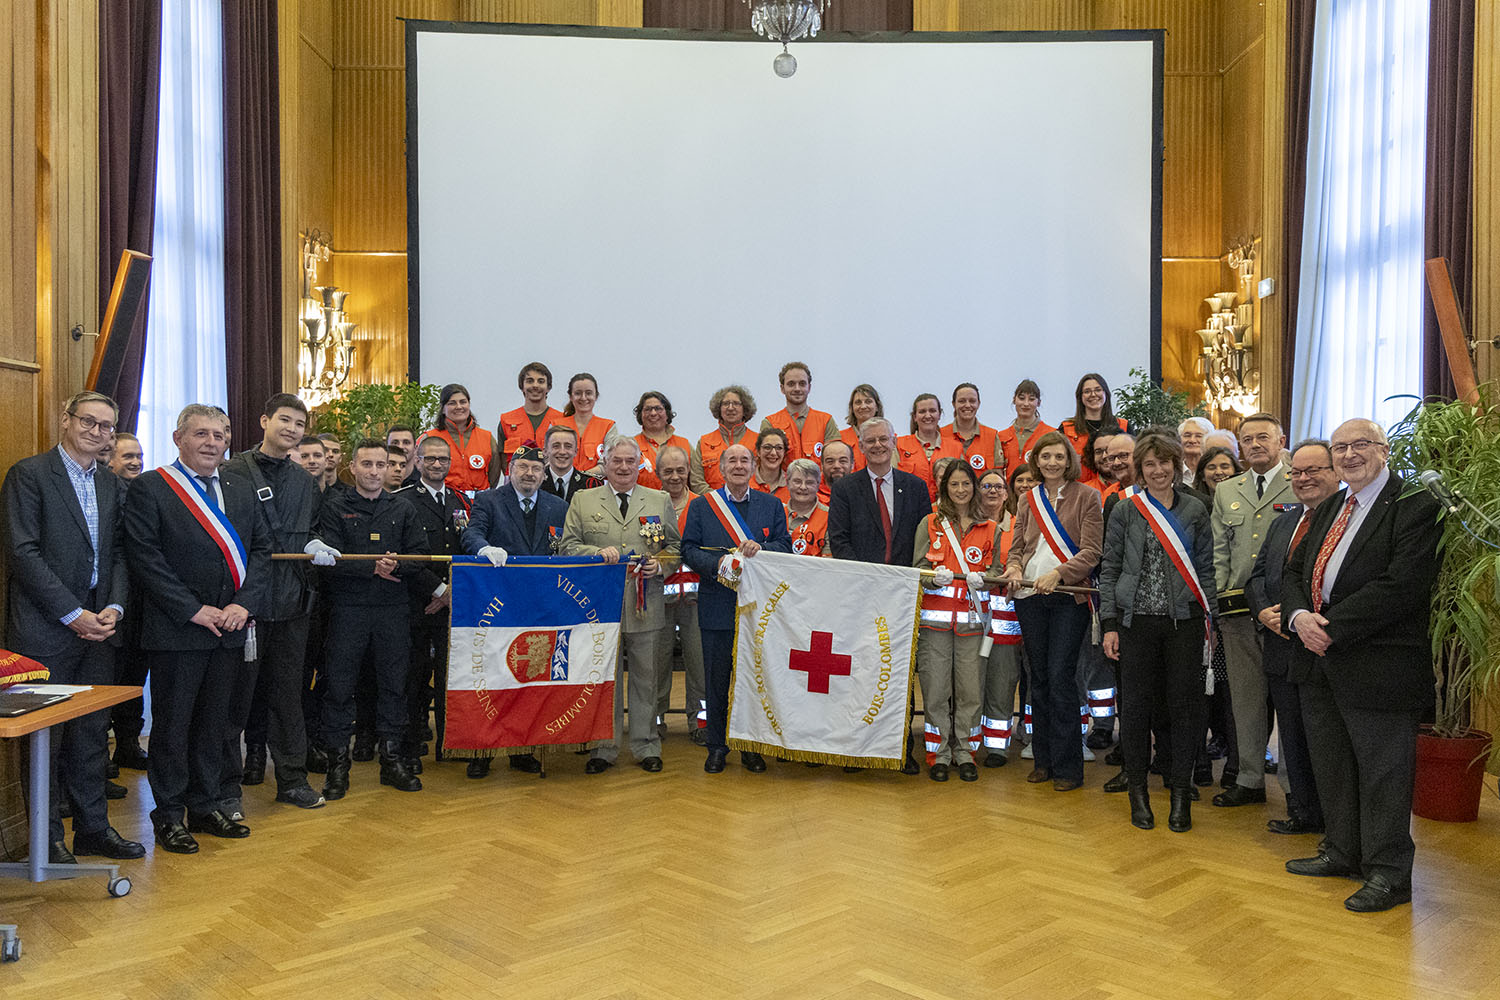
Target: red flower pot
(1450, 775)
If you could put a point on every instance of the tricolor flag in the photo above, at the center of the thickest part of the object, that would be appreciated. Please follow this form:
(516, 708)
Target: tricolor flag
(532, 653)
(823, 659)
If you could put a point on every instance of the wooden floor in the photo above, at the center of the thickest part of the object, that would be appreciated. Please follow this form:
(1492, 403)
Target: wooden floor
(798, 882)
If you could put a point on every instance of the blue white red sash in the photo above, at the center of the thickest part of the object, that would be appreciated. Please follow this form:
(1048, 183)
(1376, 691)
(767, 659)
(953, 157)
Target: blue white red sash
(1168, 531)
(1051, 526)
(729, 515)
(209, 516)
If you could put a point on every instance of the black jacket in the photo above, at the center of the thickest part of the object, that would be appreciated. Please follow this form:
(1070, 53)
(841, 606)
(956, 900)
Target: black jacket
(179, 568)
(576, 484)
(1263, 589)
(355, 525)
(440, 525)
(290, 500)
(854, 518)
(50, 558)
(1125, 541)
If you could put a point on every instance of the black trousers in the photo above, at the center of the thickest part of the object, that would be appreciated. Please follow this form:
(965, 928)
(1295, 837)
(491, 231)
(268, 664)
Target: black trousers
(359, 635)
(1302, 795)
(1052, 629)
(1365, 761)
(1161, 675)
(272, 715)
(429, 663)
(718, 671)
(190, 693)
(128, 718)
(313, 683)
(80, 747)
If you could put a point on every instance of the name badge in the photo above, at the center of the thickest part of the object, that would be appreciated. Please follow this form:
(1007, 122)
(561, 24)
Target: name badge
(374, 536)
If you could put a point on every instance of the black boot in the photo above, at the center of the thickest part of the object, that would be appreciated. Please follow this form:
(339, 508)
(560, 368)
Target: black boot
(364, 746)
(394, 770)
(255, 764)
(336, 785)
(1181, 818)
(1140, 807)
(317, 760)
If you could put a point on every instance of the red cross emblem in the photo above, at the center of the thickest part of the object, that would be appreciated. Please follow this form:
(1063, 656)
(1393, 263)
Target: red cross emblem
(820, 662)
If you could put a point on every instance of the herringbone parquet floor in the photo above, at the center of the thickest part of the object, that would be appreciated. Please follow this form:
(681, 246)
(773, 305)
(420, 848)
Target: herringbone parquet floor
(799, 882)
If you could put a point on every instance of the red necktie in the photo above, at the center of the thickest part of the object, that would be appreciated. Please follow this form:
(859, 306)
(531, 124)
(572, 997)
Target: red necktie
(1325, 553)
(885, 515)
(1300, 533)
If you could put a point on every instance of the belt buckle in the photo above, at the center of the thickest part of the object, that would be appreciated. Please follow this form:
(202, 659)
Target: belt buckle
(265, 494)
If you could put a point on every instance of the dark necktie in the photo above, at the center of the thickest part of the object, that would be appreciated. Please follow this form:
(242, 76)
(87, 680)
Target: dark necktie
(208, 488)
(562, 488)
(624, 504)
(1300, 533)
(1260, 485)
(528, 514)
(885, 515)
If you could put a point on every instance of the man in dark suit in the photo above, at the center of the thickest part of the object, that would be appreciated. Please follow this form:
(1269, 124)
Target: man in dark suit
(873, 514)
(1313, 481)
(561, 479)
(1356, 592)
(66, 594)
(128, 719)
(517, 518)
(200, 551)
(709, 548)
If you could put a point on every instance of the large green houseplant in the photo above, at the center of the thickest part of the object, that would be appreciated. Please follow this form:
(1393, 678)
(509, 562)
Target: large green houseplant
(363, 411)
(1144, 403)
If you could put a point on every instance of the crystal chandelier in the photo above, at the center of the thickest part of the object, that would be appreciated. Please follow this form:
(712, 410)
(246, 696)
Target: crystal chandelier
(786, 21)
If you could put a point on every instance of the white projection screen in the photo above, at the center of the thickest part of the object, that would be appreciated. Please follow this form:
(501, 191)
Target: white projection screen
(661, 210)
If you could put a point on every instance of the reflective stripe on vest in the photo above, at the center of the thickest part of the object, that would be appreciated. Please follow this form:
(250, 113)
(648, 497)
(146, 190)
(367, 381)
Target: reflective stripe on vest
(996, 732)
(1102, 702)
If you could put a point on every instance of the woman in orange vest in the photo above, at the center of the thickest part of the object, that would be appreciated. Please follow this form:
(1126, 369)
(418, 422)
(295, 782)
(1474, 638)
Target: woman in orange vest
(769, 476)
(476, 462)
(959, 544)
(655, 415)
(1017, 440)
(733, 407)
(976, 444)
(1002, 668)
(1095, 413)
(864, 404)
(593, 432)
(806, 518)
(918, 451)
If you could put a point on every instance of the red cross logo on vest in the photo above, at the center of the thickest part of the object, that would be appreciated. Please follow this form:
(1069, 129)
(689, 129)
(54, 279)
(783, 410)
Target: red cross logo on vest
(820, 662)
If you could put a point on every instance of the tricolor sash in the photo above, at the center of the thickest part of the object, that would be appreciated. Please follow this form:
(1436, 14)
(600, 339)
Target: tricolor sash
(1168, 531)
(210, 517)
(732, 520)
(1051, 526)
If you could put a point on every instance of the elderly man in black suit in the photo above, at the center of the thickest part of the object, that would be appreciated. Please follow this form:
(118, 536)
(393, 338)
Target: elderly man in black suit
(519, 518)
(1313, 481)
(66, 593)
(1356, 592)
(873, 514)
(200, 551)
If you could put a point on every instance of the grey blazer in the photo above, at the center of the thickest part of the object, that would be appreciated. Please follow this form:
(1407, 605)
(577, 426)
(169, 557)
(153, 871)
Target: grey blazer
(1124, 550)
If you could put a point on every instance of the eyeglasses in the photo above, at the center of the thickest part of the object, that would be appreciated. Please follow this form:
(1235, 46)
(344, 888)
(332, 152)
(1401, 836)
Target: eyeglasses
(993, 487)
(1310, 471)
(437, 459)
(1362, 445)
(88, 423)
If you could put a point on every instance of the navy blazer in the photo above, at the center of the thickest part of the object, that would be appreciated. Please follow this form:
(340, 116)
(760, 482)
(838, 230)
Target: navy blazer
(495, 518)
(50, 555)
(1263, 589)
(854, 518)
(705, 542)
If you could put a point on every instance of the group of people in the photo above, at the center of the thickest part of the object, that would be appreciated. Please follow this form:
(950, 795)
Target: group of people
(1101, 575)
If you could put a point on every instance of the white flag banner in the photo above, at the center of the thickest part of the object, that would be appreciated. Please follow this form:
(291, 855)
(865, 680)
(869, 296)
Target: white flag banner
(823, 660)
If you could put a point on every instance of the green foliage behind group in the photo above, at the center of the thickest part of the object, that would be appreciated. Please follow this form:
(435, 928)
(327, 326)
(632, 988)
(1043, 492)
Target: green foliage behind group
(1144, 403)
(368, 411)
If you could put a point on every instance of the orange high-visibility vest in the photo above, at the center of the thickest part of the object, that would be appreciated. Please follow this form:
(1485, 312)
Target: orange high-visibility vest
(806, 443)
(469, 471)
(711, 446)
(1015, 451)
(912, 456)
(850, 436)
(649, 448)
(590, 443)
(810, 538)
(978, 451)
(948, 608)
(1080, 439)
(515, 430)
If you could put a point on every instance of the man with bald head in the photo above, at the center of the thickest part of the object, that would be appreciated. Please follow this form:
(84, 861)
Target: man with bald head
(724, 527)
(1356, 593)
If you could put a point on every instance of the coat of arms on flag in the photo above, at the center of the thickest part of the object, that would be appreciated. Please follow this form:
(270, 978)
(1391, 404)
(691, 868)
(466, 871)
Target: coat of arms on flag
(532, 654)
(823, 659)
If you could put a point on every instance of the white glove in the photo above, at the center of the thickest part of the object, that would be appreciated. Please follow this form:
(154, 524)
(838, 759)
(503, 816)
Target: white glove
(495, 554)
(976, 581)
(942, 576)
(322, 553)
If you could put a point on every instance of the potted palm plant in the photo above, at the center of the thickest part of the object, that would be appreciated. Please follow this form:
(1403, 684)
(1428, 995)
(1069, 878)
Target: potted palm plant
(1462, 441)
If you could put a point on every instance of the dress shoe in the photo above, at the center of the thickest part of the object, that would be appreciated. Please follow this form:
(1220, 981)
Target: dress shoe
(479, 767)
(364, 748)
(968, 772)
(597, 765)
(911, 766)
(1039, 775)
(317, 760)
(58, 854)
(111, 769)
(1140, 808)
(174, 838)
(394, 770)
(995, 759)
(1239, 795)
(715, 762)
(1321, 866)
(1377, 894)
(1116, 757)
(698, 737)
(1066, 785)
(130, 755)
(336, 784)
(651, 765)
(522, 762)
(1293, 825)
(233, 808)
(107, 843)
(302, 796)
(1118, 783)
(255, 764)
(1229, 777)
(218, 825)
(1180, 819)
(1203, 773)
(753, 762)
(115, 790)
(938, 772)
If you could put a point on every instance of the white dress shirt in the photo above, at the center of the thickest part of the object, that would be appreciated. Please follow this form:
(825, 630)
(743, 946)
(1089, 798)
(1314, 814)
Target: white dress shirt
(1364, 502)
(887, 489)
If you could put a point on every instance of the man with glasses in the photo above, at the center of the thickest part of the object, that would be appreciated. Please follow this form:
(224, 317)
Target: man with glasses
(1357, 594)
(1313, 481)
(66, 593)
(1244, 507)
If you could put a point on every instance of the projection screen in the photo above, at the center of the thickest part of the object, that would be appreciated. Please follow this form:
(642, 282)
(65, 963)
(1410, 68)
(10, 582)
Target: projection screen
(661, 210)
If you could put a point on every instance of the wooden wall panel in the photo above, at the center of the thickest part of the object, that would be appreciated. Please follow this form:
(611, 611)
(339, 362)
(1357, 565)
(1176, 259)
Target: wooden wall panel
(1191, 186)
(1485, 307)
(369, 33)
(1242, 146)
(609, 13)
(1184, 285)
(1191, 26)
(1271, 261)
(377, 302)
(369, 160)
(1017, 15)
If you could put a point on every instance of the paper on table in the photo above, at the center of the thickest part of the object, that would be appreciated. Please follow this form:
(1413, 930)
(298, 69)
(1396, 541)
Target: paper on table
(49, 688)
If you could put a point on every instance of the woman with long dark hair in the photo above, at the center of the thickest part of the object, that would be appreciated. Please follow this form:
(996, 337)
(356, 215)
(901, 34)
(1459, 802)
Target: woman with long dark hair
(475, 465)
(1094, 413)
